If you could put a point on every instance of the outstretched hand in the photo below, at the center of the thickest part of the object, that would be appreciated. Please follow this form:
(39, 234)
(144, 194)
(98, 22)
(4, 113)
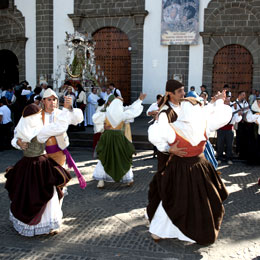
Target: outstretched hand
(142, 96)
(68, 102)
(219, 95)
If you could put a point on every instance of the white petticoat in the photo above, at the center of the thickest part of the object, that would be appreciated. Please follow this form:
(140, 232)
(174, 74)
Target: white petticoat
(163, 227)
(51, 219)
(100, 174)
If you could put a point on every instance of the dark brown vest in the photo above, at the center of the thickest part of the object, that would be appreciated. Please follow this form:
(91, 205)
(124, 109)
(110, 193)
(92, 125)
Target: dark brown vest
(162, 157)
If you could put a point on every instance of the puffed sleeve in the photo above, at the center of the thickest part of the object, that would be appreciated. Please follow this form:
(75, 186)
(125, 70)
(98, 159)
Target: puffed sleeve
(161, 134)
(63, 120)
(252, 118)
(14, 141)
(220, 115)
(236, 119)
(75, 115)
(98, 119)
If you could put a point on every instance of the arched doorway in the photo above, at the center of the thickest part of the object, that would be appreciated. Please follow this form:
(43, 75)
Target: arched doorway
(233, 65)
(9, 73)
(114, 57)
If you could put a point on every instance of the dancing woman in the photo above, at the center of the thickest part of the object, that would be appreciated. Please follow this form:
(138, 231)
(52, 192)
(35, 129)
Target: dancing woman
(35, 182)
(188, 201)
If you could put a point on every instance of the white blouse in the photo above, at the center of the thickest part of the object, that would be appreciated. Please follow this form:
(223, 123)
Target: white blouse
(161, 133)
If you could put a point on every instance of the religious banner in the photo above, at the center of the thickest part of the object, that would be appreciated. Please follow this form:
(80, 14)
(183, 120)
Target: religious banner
(180, 22)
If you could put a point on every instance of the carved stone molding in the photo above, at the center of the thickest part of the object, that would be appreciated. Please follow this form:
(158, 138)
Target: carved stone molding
(138, 16)
(16, 39)
(206, 37)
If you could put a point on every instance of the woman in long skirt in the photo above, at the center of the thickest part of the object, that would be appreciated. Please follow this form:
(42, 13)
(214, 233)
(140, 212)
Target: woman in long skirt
(186, 199)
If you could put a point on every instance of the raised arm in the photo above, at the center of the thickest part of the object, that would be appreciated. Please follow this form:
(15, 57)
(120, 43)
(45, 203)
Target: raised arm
(220, 115)
(135, 109)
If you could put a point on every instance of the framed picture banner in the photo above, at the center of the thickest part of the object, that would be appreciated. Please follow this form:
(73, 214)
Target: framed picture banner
(180, 22)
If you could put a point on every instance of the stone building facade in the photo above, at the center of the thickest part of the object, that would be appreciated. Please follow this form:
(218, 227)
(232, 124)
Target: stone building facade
(223, 23)
(12, 35)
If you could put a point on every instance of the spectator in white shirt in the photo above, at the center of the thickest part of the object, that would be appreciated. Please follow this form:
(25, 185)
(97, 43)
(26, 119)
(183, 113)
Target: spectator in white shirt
(115, 91)
(108, 94)
(81, 103)
(103, 93)
(44, 86)
(153, 108)
(5, 125)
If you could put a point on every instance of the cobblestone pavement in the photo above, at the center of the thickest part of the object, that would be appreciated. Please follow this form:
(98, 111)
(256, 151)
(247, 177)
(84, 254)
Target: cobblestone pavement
(110, 223)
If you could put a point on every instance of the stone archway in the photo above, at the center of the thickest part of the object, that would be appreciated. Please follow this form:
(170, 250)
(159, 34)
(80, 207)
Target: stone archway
(12, 36)
(9, 73)
(230, 23)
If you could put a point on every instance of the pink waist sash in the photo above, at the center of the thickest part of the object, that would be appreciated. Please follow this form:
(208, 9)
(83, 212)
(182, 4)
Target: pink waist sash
(70, 162)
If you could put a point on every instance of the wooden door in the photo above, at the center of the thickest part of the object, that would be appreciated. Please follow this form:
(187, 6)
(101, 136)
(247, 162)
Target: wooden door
(233, 66)
(114, 58)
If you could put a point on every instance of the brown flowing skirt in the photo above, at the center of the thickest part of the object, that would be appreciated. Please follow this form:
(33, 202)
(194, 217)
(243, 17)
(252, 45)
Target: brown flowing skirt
(30, 186)
(192, 194)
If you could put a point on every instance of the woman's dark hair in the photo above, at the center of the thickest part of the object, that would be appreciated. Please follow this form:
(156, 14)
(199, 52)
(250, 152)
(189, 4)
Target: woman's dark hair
(68, 83)
(37, 90)
(80, 88)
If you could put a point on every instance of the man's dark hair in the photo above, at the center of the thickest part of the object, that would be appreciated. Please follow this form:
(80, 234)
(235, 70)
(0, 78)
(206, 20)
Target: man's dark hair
(37, 90)
(24, 82)
(240, 92)
(158, 96)
(112, 84)
(101, 102)
(192, 88)
(226, 86)
(68, 83)
(3, 100)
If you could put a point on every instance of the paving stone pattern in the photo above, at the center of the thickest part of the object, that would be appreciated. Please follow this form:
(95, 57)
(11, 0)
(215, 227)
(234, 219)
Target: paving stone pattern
(110, 223)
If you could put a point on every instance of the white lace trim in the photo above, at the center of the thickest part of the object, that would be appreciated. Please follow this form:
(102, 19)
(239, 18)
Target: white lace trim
(32, 230)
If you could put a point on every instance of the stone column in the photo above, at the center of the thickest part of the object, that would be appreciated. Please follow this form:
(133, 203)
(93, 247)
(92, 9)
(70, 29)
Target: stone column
(44, 39)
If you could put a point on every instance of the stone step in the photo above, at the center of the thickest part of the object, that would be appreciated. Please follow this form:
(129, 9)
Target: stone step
(89, 136)
(139, 145)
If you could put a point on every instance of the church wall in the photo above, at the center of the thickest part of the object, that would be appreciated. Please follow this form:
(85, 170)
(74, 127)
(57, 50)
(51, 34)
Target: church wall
(155, 59)
(34, 29)
(44, 40)
(28, 8)
(196, 54)
(61, 24)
